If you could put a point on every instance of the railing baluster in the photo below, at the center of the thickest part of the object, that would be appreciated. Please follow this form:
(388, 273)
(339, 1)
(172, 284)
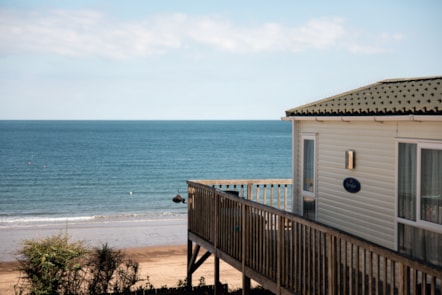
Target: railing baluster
(363, 268)
(414, 282)
(285, 197)
(350, 287)
(265, 194)
(279, 196)
(324, 262)
(392, 276)
(384, 275)
(338, 263)
(378, 268)
(357, 269)
(313, 262)
(345, 272)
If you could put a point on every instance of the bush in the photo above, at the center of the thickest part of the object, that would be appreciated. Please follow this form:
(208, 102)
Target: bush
(126, 276)
(56, 266)
(102, 265)
(52, 266)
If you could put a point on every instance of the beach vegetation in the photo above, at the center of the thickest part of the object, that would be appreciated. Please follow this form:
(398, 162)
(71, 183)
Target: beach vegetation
(111, 270)
(102, 265)
(54, 265)
(126, 276)
(147, 284)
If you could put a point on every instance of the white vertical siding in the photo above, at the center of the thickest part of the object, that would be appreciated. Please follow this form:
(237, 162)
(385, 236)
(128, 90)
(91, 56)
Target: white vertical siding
(371, 212)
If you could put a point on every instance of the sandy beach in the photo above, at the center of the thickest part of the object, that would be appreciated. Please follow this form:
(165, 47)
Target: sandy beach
(165, 266)
(142, 240)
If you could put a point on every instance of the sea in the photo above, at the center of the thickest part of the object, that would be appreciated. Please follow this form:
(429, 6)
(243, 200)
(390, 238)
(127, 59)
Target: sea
(70, 173)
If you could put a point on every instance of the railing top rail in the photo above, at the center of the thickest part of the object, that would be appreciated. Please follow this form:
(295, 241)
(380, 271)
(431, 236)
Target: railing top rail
(242, 181)
(357, 241)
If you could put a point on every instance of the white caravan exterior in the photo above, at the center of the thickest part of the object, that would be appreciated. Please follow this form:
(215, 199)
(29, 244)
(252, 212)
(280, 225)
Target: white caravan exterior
(369, 162)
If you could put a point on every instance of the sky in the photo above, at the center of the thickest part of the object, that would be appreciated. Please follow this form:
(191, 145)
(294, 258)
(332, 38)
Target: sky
(204, 60)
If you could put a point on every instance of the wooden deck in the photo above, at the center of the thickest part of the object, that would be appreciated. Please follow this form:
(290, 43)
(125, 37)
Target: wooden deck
(246, 224)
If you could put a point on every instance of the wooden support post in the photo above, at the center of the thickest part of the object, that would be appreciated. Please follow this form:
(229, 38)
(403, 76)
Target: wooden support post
(245, 284)
(216, 276)
(189, 264)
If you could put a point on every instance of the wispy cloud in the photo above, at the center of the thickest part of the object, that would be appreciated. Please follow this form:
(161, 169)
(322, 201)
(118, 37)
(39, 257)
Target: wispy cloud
(92, 33)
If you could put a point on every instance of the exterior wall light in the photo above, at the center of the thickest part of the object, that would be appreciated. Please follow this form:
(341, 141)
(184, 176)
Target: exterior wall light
(350, 159)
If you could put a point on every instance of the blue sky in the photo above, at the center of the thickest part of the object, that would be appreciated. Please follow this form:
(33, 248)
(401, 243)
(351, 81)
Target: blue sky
(199, 60)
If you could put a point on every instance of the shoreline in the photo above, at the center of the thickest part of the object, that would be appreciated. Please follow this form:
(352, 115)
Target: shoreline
(120, 234)
(164, 265)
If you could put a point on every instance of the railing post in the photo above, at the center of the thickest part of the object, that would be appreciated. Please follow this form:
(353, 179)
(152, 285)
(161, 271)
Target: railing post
(216, 216)
(331, 265)
(279, 256)
(244, 226)
(401, 277)
(249, 191)
(215, 244)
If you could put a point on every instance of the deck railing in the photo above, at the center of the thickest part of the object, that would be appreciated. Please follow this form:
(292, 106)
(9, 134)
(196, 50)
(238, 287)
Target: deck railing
(272, 192)
(288, 254)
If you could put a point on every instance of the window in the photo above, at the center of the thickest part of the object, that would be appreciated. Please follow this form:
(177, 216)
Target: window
(309, 176)
(407, 181)
(431, 185)
(420, 200)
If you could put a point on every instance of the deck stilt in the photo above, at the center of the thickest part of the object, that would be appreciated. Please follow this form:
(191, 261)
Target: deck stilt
(193, 264)
(216, 281)
(245, 284)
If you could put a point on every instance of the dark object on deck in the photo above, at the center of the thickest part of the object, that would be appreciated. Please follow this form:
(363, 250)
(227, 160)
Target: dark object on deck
(235, 193)
(179, 199)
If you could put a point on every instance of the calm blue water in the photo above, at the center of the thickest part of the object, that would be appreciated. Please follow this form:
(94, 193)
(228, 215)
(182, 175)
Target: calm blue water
(82, 170)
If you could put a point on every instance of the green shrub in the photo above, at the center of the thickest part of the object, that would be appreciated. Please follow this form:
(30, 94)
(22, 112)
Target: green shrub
(55, 266)
(52, 266)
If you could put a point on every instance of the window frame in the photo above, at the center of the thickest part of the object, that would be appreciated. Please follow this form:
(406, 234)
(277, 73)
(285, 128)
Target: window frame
(420, 223)
(306, 193)
(428, 224)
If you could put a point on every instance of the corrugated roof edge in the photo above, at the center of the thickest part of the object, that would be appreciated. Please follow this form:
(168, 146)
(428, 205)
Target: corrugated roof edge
(291, 112)
(409, 79)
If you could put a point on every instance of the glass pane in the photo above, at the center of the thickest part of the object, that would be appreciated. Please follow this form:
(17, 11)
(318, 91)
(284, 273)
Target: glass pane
(309, 208)
(420, 243)
(309, 161)
(407, 181)
(431, 185)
